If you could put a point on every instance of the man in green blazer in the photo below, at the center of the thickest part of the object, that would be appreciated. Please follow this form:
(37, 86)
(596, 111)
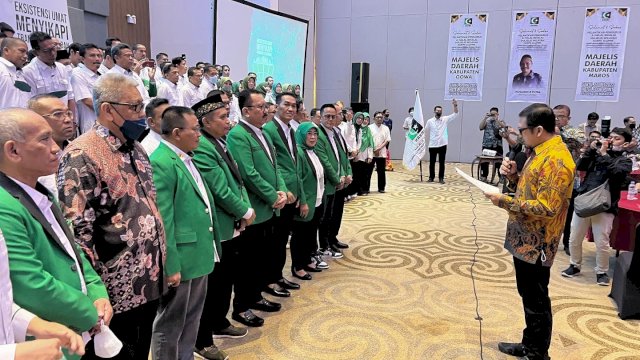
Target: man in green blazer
(338, 205)
(187, 210)
(284, 141)
(50, 277)
(234, 213)
(257, 161)
(328, 152)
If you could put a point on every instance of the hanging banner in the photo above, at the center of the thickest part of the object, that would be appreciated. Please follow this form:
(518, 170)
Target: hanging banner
(603, 44)
(27, 16)
(465, 59)
(532, 41)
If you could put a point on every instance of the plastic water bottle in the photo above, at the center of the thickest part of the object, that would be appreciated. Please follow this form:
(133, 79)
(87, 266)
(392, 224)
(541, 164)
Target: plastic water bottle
(631, 194)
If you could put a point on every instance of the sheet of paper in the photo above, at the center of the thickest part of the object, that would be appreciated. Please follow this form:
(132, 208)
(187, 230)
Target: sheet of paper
(484, 187)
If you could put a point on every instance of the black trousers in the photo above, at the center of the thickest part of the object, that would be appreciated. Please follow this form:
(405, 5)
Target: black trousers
(304, 240)
(336, 216)
(134, 329)
(381, 165)
(224, 280)
(366, 180)
(354, 187)
(533, 286)
(484, 167)
(567, 224)
(441, 153)
(253, 245)
(325, 226)
(278, 244)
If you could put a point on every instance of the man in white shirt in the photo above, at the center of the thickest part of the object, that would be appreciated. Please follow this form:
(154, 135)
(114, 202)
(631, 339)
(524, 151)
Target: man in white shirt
(381, 137)
(83, 79)
(406, 125)
(123, 57)
(161, 59)
(439, 139)
(209, 80)
(168, 88)
(190, 92)
(181, 64)
(107, 63)
(153, 111)
(44, 74)
(14, 90)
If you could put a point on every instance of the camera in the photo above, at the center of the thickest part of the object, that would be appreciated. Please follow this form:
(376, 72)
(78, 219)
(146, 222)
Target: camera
(503, 131)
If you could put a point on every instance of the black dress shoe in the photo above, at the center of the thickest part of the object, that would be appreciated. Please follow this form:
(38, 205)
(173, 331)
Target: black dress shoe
(430, 180)
(310, 269)
(278, 291)
(441, 181)
(381, 191)
(248, 318)
(266, 305)
(513, 349)
(301, 277)
(288, 284)
(340, 245)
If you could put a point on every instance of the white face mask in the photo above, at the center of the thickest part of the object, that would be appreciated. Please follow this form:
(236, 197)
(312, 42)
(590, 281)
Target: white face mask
(106, 344)
(616, 147)
(411, 113)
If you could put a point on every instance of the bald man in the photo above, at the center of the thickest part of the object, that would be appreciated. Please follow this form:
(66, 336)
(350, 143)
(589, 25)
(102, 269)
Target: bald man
(14, 90)
(50, 277)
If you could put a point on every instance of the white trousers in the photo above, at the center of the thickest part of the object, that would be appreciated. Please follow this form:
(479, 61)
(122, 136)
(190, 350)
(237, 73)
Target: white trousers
(601, 225)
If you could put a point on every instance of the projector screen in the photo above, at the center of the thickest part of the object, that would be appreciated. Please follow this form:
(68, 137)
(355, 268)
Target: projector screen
(251, 38)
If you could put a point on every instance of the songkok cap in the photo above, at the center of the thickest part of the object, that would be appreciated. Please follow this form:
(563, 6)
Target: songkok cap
(208, 105)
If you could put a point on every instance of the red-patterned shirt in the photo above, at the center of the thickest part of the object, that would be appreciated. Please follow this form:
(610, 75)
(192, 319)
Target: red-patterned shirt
(538, 210)
(106, 191)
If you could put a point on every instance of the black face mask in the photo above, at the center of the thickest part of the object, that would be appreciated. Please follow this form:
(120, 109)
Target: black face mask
(632, 126)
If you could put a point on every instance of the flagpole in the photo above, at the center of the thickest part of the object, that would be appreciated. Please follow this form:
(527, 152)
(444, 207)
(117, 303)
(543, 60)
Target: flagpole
(420, 170)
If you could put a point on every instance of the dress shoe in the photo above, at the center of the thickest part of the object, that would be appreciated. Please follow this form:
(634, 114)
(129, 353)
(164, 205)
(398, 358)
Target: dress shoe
(248, 318)
(513, 349)
(312, 269)
(430, 180)
(277, 290)
(381, 191)
(288, 284)
(231, 332)
(212, 353)
(266, 305)
(441, 181)
(340, 245)
(301, 277)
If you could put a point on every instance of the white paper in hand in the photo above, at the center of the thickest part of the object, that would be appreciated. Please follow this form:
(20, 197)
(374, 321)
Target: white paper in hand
(484, 187)
(105, 344)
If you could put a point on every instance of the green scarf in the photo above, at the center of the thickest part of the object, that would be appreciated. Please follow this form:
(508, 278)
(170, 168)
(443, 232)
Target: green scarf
(355, 123)
(261, 88)
(301, 134)
(235, 88)
(275, 86)
(245, 82)
(223, 80)
(367, 138)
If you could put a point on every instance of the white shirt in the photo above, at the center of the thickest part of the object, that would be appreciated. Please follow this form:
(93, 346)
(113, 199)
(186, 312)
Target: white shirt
(317, 165)
(206, 87)
(234, 110)
(190, 94)
(103, 69)
(407, 123)
(332, 140)
(195, 174)
(151, 142)
(349, 133)
(168, 90)
(258, 132)
(438, 130)
(82, 82)
(13, 319)
(144, 75)
(45, 79)
(287, 134)
(141, 89)
(182, 80)
(380, 135)
(294, 125)
(11, 96)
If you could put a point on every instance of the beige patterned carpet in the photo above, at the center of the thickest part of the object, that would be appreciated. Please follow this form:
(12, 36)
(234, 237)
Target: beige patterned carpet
(404, 291)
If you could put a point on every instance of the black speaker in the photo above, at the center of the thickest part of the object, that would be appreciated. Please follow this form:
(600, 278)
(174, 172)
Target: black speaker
(360, 107)
(360, 82)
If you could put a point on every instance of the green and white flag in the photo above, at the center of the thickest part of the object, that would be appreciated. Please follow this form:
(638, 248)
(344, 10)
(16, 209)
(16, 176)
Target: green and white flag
(415, 142)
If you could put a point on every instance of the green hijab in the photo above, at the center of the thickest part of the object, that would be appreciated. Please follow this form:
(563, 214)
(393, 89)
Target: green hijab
(287, 88)
(245, 82)
(367, 138)
(223, 80)
(261, 88)
(355, 124)
(301, 134)
(275, 87)
(235, 88)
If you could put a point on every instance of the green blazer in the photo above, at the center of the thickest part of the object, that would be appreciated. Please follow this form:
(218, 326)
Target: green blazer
(286, 163)
(260, 174)
(345, 164)
(44, 277)
(221, 174)
(185, 215)
(309, 187)
(329, 161)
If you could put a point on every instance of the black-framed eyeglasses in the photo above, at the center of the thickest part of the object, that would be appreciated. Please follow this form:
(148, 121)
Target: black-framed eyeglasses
(521, 130)
(133, 107)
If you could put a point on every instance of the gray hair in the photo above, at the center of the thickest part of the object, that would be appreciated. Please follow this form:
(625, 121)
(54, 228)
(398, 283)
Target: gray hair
(10, 126)
(109, 88)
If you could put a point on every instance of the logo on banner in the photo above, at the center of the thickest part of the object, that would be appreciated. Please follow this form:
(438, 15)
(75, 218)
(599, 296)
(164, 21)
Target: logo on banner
(606, 15)
(468, 21)
(535, 20)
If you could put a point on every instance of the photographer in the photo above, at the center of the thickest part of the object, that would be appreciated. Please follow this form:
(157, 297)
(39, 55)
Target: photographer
(604, 160)
(491, 124)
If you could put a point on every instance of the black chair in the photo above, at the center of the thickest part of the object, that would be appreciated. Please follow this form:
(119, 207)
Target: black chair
(625, 289)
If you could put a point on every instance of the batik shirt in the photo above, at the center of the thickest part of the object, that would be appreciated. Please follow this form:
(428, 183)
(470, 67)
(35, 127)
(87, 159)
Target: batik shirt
(538, 210)
(106, 191)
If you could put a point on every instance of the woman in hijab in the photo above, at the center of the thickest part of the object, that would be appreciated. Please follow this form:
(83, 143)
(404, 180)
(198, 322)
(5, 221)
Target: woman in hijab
(297, 90)
(249, 83)
(287, 88)
(225, 84)
(265, 89)
(366, 155)
(353, 138)
(278, 89)
(305, 225)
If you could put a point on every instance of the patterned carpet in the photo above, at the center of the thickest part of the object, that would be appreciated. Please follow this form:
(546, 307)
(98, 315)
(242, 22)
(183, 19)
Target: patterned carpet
(404, 290)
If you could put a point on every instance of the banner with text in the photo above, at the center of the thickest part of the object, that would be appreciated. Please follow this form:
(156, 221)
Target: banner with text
(27, 16)
(603, 44)
(465, 60)
(532, 39)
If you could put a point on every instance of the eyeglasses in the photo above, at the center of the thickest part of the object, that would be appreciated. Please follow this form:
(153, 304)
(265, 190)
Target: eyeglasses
(133, 107)
(60, 115)
(521, 130)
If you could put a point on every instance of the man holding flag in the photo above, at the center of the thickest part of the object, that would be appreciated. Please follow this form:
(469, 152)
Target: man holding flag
(439, 139)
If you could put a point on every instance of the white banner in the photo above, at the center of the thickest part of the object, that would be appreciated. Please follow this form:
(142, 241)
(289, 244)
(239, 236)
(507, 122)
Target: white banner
(27, 16)
(532, 39)
(465, 59)
(603, 45)
(415, 144)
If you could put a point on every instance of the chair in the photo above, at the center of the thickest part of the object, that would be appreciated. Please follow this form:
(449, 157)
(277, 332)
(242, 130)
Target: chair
(496, 161)
(625, 289)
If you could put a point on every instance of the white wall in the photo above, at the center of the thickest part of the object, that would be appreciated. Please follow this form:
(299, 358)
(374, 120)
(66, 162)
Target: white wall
(405, 41)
